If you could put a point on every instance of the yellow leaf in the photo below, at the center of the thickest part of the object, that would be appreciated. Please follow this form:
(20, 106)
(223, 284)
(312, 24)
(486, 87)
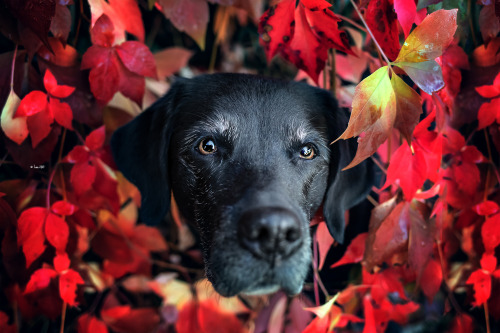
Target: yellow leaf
(430, 38)
(15, 129)
(372, 97)
(373, 112)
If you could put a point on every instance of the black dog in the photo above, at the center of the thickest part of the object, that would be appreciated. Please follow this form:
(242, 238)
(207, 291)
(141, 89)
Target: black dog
(249, 161)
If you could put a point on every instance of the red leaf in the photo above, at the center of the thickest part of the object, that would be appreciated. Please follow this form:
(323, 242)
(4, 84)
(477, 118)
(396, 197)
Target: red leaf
(206, 317)
(39, 126)
(277, 26)
(407, 168)
(325, 241)
(431, 279)
(489, 22)
(482, 286)
(124, 14)
(125, 319)
(4, 324)
(64, 55)
(421, 240)
(486, 208)
(369, 316)
(488, 113)
(62, 113)
(33, 103)
(137, 58)
(388, 236)
(489, 262)
(95, 139)
(406, 11)
(94, 56)
(61, 262)
(129, 15)
(490, 91)
(354, 252)
(467, 176)
(78, 154)
(82, 177)
(105, 78)
(63, 208)
(171, 60)
(61, 23)
(190, 16)
(34, 14)
(59, 91)
(68, 282)
(29, 233)
(57, 232)
(40, 279)
(132, 85)
(324, 25)
(302, 38)
(315, 5)
(381, 19)
(90, 324)
(149, 238)
(462, 323)
(102, 33)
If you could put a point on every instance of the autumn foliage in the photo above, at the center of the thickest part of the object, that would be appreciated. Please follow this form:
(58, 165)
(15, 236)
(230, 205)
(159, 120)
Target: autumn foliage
(423, 84)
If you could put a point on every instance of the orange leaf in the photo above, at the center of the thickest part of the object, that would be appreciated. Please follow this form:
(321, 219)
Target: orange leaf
(373, 112)
(430, 38)
(408, 107)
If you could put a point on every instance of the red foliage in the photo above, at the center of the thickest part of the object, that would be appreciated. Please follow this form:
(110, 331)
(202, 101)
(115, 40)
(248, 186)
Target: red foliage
(430, 109)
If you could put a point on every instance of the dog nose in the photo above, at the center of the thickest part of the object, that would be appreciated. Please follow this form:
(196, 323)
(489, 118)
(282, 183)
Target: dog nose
(270, 233)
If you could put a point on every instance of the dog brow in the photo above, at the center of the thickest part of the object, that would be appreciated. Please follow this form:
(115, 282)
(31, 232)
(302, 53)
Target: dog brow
(218, 124)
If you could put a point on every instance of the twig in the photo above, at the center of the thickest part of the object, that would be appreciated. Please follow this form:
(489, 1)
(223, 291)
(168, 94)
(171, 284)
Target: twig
(371, 34)
(471, 24)
(360, 27)
(63, 317)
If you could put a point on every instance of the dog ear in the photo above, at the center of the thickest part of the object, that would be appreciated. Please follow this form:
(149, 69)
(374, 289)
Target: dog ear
(140, 150)
(345, 188)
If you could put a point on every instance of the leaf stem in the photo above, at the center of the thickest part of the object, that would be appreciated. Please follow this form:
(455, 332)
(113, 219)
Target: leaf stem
(487, 317)
(12, 69)
(317, 278)
(471, 24)
(452, 299)
(63, 317)
(360, 27)
(371, 34)
(51, 178)
(333, 68)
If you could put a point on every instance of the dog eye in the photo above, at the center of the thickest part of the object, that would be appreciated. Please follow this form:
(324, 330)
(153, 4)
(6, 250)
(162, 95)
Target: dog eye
(308, 152)
(207, 146)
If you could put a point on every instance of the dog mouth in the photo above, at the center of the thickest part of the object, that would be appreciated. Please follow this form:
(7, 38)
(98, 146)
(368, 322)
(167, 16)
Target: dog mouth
(235, 270)
(267, 283)
(259, 251)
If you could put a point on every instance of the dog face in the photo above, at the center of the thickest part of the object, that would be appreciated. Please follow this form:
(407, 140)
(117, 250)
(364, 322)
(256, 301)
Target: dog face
(248, 161)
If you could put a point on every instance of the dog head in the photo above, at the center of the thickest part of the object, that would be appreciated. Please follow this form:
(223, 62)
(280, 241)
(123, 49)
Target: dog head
(249, 161)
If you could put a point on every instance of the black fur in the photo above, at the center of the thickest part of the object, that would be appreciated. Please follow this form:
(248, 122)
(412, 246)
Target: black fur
(259, 126)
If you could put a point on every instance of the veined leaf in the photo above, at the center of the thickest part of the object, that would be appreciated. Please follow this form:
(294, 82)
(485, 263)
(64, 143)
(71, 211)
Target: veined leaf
(372, 97)
(427, 75)
(430, 38)
(373, 112)
(408, 107)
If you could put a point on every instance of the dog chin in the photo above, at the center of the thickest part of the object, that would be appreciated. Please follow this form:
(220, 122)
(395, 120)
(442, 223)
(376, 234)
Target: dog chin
(257, 290)
(250, 276)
